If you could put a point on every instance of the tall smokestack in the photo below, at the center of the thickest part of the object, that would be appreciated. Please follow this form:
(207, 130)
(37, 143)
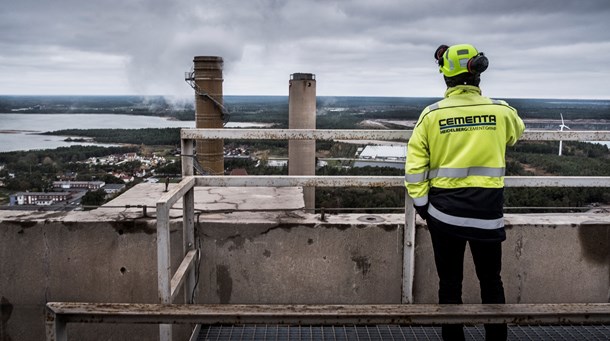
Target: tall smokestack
(302, 115)
(208, 111)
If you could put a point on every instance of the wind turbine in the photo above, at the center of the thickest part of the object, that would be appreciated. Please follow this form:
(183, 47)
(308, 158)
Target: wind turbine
(561, 129)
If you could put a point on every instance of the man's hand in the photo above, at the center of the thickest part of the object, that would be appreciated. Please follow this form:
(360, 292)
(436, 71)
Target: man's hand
(422, 211)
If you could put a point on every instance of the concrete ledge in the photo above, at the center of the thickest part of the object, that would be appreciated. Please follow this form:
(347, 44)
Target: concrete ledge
(247, 205)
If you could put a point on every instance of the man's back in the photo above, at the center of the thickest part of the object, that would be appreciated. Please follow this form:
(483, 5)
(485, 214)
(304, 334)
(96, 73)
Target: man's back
(457, 157)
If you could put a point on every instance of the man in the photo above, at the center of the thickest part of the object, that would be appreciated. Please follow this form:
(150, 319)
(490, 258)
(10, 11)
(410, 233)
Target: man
(455, 175)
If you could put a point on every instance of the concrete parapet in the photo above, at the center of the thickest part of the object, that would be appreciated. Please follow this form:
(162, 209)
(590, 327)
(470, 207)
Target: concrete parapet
(262, 256)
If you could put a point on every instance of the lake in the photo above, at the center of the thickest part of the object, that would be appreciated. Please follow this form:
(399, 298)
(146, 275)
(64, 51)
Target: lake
(21, 131)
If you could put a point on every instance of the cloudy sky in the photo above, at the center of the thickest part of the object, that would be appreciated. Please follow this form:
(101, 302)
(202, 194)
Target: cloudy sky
(537, 48)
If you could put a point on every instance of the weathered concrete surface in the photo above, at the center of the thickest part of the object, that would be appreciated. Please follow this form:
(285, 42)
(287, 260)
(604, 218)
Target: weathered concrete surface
(547, 258)
(302, 261)
(105, 255)
(260, 256)
(73, 261)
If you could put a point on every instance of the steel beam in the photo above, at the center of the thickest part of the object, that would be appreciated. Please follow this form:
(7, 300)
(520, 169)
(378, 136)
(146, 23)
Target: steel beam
(571, 313)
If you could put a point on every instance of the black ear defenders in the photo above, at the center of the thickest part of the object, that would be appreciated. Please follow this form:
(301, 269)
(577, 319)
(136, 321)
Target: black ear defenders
(478, 63)
(475, 65)
(438, 54)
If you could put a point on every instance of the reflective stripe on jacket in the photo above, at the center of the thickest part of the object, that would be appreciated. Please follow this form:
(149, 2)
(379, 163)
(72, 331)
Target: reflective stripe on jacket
(460, 142)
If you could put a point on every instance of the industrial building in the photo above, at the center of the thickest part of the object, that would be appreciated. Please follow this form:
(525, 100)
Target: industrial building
(393, 156)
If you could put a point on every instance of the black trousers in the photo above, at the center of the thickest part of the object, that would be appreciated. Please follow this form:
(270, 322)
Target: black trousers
(449, 259)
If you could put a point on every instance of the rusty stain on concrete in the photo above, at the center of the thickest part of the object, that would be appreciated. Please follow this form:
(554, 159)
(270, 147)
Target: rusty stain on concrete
(24, 224)
(595, 243)
(6, 309)
(389, 227)
(362, 263)
(70, 224)
(132, 226)
(238, 243)
(224, 284)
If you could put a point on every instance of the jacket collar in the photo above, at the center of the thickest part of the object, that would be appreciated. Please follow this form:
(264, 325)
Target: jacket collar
(462, 90)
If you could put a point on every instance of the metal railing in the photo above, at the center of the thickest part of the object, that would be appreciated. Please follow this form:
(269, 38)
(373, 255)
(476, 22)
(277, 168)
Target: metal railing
(59, 314)
(184, 277)
(185, 190)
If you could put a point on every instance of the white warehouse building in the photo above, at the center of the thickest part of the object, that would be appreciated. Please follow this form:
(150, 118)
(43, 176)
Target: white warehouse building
(382, 156)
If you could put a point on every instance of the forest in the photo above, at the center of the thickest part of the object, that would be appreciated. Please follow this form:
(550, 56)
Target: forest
(147, 136)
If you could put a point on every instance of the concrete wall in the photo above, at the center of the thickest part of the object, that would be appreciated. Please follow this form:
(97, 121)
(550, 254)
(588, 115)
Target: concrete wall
(263, 257)
(75, 260)
(545, 263)
(335, 262)
(546, 259)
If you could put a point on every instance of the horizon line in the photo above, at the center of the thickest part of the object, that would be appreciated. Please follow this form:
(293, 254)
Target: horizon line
(318, 96)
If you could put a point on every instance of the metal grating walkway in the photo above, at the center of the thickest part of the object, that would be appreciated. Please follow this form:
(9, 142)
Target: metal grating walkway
(393, 332)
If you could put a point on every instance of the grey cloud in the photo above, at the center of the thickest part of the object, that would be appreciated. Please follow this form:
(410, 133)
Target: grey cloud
(156, 39)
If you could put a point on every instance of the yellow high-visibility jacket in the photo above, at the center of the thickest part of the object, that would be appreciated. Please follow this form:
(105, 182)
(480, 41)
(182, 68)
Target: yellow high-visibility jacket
(460, 143)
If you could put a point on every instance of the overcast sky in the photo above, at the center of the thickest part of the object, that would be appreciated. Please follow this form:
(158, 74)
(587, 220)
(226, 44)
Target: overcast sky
(536, 48)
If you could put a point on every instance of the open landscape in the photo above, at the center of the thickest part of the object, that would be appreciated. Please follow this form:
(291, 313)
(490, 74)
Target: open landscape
(158, 121)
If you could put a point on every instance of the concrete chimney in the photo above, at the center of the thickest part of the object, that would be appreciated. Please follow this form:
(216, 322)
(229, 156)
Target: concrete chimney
(208, 114)
(302, 115)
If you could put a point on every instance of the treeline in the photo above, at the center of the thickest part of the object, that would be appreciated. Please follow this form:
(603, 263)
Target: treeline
(570, 148)
(571, 109)
(368, 200)
(540, 158)
(146, 136)
(23, 159)
(578, 159)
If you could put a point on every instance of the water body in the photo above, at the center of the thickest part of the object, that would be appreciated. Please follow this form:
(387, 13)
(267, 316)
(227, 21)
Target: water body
(21, 131)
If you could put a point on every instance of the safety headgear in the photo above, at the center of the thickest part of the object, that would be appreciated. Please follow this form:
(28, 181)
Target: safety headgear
(458, 59)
